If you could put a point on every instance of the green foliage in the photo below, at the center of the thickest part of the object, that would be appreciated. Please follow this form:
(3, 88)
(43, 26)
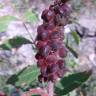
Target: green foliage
(75, 54)
(15, 42)
(75, 37)
(69, 46)
(26, 76)
(30, 16)
(7, 90)
(94, 1)
(4, 21)
(69, 83)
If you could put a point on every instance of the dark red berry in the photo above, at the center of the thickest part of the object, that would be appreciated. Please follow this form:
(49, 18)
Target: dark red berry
(43, 35)
(64, 10)
(55, 35)
(41, 44)
(51, 59)
(50, 26)
(55, 44)
(40, 28)
(44, 51)
(52, 68)
(64, 1)
(61, 64)
(49, 42)
(40, 62)
(38, 56)
(48, 15)
(62, 52)
(60, 73)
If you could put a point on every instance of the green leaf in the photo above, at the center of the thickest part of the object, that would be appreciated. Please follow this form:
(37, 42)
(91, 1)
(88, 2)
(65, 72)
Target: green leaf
(6, 90)
(72, 51)
(75, 37)
(30, 16)
(4, 21)
(26, 76)
(69, 83)
(15, 42)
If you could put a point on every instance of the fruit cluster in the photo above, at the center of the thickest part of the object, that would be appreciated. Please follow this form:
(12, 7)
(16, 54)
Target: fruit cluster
(49, 41)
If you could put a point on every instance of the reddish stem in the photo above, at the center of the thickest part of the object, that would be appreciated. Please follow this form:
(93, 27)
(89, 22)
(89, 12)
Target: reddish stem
(50, 88)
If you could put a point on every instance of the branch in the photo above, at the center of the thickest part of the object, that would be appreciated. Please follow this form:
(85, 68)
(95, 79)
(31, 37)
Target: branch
(33, 42)
(19, 17)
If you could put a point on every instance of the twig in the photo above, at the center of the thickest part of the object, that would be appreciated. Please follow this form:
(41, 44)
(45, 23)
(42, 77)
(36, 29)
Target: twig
(33, 42)
(20, 17)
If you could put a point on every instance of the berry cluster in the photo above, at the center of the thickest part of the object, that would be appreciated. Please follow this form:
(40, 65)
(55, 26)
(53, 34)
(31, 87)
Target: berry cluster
(49, 41)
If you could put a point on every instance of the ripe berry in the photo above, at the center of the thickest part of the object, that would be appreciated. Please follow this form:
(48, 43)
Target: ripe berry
(41, 44)
(64, 10)
(48, 15)
(51, 59)
(54, 44)
(40, 62)
(38, 56)
(43, 35)
(61, 64)
(44, 51)
(64, 1)
(40, 28)
(50, 45)
(55, 35)
(62, 52)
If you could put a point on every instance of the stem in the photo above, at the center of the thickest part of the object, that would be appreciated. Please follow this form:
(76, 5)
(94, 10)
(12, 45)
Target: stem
(50, 88)
(33, 42)
(29, 33)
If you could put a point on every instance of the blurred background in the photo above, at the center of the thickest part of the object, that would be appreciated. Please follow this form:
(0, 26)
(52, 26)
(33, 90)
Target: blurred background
(82, 22)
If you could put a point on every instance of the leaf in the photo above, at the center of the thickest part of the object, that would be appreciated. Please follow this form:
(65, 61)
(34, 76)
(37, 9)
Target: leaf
(4, 21)
(75, 37)
(30, 16)
(26, 76)
(15, 42)
(72, 50)
(69, 83)
(66, 42)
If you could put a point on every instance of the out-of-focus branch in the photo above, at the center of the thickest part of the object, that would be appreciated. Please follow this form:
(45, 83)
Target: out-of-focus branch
(20, 17)
(33, 42)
